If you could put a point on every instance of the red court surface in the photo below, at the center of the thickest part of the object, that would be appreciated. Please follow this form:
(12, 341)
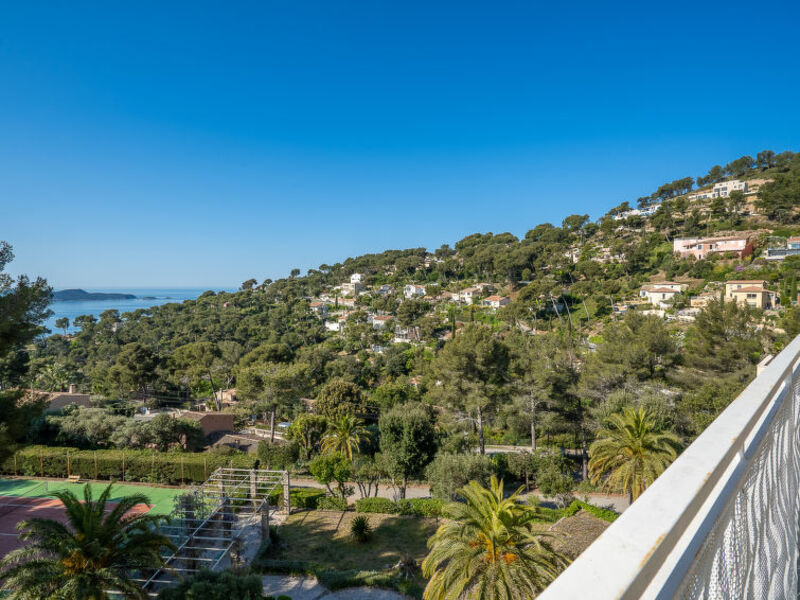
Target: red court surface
(14, 509)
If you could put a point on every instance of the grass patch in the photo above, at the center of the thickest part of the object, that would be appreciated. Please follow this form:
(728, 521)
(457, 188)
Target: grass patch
(319, 543)
(323, 537)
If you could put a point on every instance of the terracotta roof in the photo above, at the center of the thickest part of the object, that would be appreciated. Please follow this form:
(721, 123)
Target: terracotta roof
(663, 290)
(495, 298)
(746, 281)
(381, 318)
(750, 289)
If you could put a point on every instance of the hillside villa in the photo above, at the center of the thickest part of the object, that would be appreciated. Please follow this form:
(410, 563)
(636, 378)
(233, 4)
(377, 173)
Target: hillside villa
(320, 308)
(792, 248)
(662, 292)
(379, 321)
(722, 189)
(413, 291)
(496, 301)
(751, 292)
(741, 245)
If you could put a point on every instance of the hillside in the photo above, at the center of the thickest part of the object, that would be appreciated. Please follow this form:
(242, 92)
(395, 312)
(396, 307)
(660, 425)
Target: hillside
(77, 295)
(510, 340)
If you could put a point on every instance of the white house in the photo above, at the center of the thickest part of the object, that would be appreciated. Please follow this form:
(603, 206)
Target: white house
(496, 301)
(384, 289)
(413, 291)
(335, 325)
(352, 288)
(470, 294)
(722, 189)
(379, 321)
(357, 278)
(660, 294)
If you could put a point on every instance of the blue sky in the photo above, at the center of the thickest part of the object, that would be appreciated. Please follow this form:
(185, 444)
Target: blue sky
(200, 144)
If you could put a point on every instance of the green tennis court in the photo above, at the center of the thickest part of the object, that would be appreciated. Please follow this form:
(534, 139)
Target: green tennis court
(160, 498)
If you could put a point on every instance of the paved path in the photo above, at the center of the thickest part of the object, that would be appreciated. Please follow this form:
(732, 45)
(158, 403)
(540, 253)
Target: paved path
(615, 502)
(308, 588)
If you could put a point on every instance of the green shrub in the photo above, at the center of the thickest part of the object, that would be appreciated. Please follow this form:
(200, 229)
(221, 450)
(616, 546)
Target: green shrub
(278, 456)
(417, 507)
(600, 513)
(448, 473)
(300, 497)
(376, 505)
(421, 507)
(149, 466)
(207, 585)
(360, 529)
(551, 515)
(332, 503)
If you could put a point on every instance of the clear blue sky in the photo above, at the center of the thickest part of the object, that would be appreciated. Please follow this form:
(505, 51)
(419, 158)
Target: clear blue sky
(200, 144)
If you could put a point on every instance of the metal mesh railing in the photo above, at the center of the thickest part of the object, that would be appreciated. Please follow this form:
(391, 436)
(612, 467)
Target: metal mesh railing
(723, 521)
(751, 551)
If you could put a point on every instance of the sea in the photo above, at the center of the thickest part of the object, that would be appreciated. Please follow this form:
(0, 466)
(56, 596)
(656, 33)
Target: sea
(145, 298)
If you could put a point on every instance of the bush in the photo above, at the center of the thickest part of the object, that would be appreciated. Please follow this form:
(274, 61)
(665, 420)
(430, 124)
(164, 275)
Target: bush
(149, 466)
(417, 507)
(450, 472)
(332, 503)
(551, 515)
(377, 505)
(600, 513)
(299, 497)
(421, 507)
(207, 585)
(360, 529)
(278, 456)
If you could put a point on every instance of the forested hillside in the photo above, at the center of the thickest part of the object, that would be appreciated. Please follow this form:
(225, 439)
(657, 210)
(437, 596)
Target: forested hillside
(495, 339)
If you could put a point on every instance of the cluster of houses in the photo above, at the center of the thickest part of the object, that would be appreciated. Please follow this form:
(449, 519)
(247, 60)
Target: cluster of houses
(344, 296)
(752, 292)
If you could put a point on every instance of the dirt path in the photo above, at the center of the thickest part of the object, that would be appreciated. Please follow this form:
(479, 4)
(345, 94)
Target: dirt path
(414, 490)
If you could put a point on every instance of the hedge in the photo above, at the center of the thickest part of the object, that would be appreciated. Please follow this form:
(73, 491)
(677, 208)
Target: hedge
(122, 465)
(551, 515)
(332, 503)
(418, 507)
(601, 513)
(299, 497)
(377, 505)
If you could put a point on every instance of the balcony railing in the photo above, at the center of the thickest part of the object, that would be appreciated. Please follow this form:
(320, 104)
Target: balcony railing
(722, 521)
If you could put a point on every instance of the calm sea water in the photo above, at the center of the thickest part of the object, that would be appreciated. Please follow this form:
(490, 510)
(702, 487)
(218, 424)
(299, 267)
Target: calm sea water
(145, 298)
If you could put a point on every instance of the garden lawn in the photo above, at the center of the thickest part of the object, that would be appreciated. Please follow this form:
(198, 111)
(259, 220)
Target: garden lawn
(160, 498)
(323, 537)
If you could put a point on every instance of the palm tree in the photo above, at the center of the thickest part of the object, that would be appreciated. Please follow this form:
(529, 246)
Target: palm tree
(95, 552)
(630, 452)
(489, 549)
(344, 435)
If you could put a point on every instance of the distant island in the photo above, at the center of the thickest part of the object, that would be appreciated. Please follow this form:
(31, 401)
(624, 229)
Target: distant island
(78, 295)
